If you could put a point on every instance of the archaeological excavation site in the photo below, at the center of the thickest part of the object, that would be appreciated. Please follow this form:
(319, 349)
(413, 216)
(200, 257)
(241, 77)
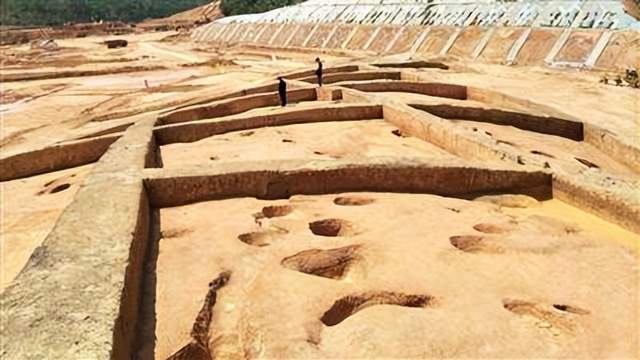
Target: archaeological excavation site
(464, 184)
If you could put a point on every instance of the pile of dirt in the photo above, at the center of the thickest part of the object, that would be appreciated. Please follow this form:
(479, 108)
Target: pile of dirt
(186, 19)
(204, 13)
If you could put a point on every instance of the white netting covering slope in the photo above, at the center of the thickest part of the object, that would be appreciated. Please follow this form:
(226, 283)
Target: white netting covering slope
(604, 14)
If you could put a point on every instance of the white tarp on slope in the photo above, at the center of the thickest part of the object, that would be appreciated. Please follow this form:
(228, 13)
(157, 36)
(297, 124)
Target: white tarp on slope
(608, 14)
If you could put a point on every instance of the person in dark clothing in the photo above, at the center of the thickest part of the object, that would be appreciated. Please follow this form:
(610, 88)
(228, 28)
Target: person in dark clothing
(319, 71)
(282, 90)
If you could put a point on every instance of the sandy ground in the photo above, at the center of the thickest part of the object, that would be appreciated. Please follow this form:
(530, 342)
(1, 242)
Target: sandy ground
(42, 112)
(39, 113)
(490, 294)
(330, 140)
(30, 209)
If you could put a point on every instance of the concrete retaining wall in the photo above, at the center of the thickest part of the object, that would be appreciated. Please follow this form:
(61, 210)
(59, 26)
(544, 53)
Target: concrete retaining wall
(537, 46)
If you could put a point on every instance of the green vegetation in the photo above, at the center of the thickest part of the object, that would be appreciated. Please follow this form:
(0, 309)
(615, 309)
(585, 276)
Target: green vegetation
(237, 7)
(58, 12)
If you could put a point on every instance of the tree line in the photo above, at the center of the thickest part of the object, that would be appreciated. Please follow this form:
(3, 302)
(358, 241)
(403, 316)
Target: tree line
(239, 7)
(58, 12)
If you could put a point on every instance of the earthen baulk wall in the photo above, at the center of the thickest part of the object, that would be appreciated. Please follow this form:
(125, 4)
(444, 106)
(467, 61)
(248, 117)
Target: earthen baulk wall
(578, 48)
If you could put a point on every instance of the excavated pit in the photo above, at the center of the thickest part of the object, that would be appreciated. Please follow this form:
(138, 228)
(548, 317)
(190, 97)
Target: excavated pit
(262, 238)
(351, 304)
(332, 263)
(491, 228)
(332, 228)
(276, 211)
(554, 318)
(467, 243)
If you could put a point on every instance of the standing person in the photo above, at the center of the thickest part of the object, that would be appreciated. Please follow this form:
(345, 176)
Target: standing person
(282, 90)
(319, 72)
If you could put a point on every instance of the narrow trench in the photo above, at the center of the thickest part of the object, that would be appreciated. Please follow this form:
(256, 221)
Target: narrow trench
(541, 124)
(145, 344)
(154, 155)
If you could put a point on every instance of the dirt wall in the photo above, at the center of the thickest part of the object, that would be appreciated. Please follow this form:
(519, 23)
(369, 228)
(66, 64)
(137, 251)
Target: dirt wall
(289, 180)
(234, 106)
(189, 132)
(54, 158)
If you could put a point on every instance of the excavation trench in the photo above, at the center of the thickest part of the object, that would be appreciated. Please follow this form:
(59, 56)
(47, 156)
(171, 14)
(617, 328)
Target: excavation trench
(541, 124)
(234, 106)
